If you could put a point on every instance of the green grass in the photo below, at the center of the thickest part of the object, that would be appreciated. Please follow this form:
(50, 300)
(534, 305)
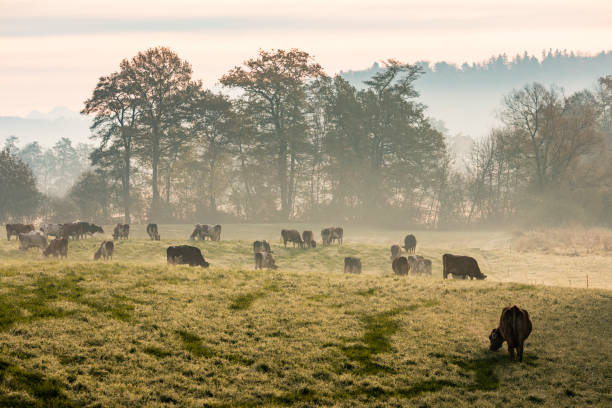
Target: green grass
(137, 332)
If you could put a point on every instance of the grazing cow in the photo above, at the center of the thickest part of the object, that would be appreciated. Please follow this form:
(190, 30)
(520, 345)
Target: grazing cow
(90, 229)
(105, 251)
(514, 328)
(152, 232)
(185, 254)
(32, 239)
(57, 247)
(400, 266)
(307, 238)
(261, 246)
(337, 234)
(326, 236)
(410, 243)
(16, 229)
(265, 260)
(352, 265)
(396, 251)
(199, 232)
(462, 266)
(121, 231)
(54, 230)
(292, 236)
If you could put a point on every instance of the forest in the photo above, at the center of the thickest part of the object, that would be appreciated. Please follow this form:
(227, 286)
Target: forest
(286, 141)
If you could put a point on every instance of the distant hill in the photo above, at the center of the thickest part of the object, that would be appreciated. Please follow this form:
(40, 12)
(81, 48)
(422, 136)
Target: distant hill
(46, 128)
(467, 97)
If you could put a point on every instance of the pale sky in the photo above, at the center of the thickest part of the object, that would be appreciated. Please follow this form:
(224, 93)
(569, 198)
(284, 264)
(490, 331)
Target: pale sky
(52, 52)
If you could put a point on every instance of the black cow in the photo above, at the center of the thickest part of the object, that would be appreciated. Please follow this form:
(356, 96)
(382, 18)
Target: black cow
(307, 238)
(461, 266)
(292, 236)
(261, 246)
(121, 231)
(57, 247)
(185, 254)
(410, 243)
(352, 265)
(514, 327)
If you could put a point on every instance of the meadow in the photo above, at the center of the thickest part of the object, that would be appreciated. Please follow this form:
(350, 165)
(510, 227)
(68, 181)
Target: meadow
(136, 332)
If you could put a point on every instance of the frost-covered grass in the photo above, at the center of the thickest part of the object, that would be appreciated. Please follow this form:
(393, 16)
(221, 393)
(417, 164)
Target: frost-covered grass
(136, 332)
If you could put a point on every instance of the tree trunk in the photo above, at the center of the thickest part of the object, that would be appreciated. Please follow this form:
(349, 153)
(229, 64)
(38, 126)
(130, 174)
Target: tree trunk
(154, 175)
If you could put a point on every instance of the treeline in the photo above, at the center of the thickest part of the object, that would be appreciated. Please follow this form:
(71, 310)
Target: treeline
(292, 143)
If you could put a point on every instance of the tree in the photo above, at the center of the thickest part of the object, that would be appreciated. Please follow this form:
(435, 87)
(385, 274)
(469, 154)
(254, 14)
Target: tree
(274, 82)
(116, 111)
(20, 198)
(91, 194)
(162, 86)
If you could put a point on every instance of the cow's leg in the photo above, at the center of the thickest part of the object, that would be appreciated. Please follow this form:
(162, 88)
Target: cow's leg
(511, 351)
(520, 351)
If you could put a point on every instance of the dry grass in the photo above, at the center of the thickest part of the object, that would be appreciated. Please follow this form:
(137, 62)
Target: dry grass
(136, 332)
(565, 241)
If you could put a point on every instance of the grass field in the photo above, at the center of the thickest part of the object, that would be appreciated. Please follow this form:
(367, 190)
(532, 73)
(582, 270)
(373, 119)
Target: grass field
(136, 332)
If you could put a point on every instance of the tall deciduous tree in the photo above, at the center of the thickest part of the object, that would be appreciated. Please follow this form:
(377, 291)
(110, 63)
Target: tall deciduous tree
(162, 85)
(275, 82)
(19, 198)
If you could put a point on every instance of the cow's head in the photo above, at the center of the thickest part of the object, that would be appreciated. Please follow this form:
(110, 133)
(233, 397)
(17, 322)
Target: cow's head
(482, 276)
(496, 339)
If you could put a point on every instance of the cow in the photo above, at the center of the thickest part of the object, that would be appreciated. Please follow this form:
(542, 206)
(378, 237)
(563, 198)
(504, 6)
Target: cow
(216, 233)
(412, 261)
(152, 232)
(400, 266)
(427, 267)
(89, 229)
(54, 230)
(71, 229)
(57, 247)
(410, 243)
(261, 246)
(32, 239)
(292, 236)
(185, 254)
(313, 244)
(105, 251)
(352, 265)
(307, 238)
(16, 229)
(396, 251)
(326, 236)
(462, 266)
(265, 260)
(121, 231)
(199, 232)
(514, 328)
(337, 234)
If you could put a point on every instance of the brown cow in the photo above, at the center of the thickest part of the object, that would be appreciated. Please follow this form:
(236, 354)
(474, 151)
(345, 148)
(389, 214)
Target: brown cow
(261, 246)
(265, 260)
(57, 247)
(292, 236)
(352, 265)
(105, 251)
(307, 238)
(514, 328)
(326, 234)
(16, 229)
(396, 251)
(71, 229)
(400, 265)
(462, 266)
(337, 235)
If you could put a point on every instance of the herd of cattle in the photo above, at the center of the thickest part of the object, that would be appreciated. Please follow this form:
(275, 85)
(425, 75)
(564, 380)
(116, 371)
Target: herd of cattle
(514, 326)
(457, 266)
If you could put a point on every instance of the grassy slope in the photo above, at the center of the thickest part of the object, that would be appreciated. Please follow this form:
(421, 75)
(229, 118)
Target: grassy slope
(137, 332)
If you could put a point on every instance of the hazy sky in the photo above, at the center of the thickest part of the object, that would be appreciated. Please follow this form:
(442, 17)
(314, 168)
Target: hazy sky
(52, 52)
